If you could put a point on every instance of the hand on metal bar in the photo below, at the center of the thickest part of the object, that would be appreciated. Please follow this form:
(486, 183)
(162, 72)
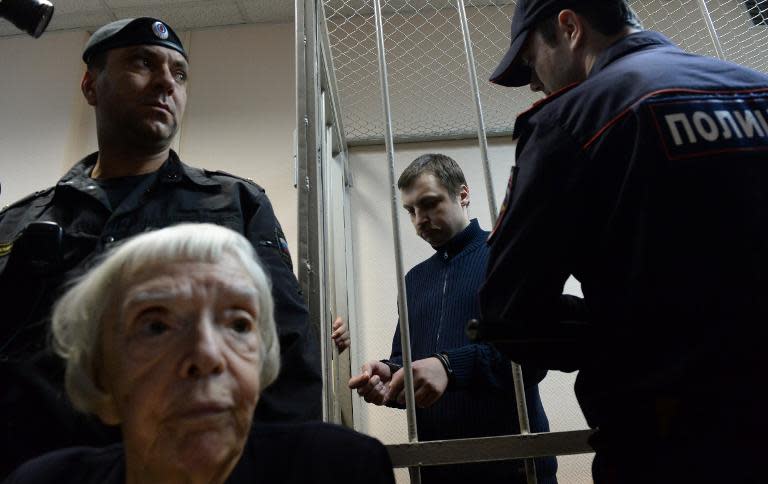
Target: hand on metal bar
(340, 335)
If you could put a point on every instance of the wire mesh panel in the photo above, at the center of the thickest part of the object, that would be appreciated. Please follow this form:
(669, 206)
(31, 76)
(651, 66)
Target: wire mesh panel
(490, 29)
(680, 20)
(425, 59)
(742, 27)
(429, 91)
(352, 35)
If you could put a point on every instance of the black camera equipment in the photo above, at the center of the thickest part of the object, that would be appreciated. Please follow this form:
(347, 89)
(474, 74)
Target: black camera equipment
(31, 16)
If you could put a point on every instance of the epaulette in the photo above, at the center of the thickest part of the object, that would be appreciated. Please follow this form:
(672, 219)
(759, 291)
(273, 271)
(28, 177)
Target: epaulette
(27, 199)
(230, 175)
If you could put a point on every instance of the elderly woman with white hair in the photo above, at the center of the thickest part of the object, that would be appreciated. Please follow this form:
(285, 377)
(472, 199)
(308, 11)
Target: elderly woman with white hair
(172, 338)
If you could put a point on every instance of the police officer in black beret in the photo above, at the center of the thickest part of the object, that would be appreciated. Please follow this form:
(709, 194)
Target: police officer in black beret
(644, 174)
(136, 81)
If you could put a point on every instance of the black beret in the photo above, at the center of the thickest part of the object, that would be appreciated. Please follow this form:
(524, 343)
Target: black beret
(130, 31)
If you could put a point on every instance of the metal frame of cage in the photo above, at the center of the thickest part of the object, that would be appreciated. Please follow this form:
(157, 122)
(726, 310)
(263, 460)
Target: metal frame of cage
(320, 141)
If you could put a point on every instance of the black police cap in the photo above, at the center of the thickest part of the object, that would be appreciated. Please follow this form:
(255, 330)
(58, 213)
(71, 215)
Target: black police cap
(128, 32)
(510, 71)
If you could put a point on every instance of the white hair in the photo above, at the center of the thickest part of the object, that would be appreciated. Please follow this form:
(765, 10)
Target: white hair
(79, 315)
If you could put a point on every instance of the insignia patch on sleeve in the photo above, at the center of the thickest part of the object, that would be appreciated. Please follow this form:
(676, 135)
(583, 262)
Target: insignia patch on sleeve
(282, 246)
(704, 127)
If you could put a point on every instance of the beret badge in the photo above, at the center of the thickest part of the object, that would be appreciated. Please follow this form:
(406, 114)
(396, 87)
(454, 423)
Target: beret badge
(160, 30)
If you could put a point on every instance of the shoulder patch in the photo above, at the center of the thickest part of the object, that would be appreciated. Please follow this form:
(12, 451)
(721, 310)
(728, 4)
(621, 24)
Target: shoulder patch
(282, 245)
(706, 126)
(230, 175)
(5, 248)
(28, 198)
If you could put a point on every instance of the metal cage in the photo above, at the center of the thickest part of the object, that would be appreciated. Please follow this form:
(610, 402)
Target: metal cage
(392, 71)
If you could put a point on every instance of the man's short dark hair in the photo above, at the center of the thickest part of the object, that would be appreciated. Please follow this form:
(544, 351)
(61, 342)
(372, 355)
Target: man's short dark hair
(445, 169)
(98, 61)
(608, 17)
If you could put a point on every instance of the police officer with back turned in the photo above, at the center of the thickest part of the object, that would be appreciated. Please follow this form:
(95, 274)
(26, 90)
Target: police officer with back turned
(644, 174)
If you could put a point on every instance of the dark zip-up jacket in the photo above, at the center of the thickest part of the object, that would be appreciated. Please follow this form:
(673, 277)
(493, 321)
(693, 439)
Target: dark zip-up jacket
(442, 298)
(35, 264)
(649, 183)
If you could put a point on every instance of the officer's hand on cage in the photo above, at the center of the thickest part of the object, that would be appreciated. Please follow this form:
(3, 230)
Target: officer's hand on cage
(429, 383)
(340, 335)
(373, 383)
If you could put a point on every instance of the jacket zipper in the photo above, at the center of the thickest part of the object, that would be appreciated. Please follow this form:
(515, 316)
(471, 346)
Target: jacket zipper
(442, 309)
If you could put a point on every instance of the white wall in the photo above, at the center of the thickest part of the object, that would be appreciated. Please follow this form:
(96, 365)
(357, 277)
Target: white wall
(39, 110)
(377, 288)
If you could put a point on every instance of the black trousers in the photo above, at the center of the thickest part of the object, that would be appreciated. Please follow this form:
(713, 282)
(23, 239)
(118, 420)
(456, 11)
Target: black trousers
(712, 458)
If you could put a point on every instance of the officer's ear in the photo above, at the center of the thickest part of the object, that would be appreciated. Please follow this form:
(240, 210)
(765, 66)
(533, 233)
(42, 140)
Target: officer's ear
(571, 27)
(88, 86)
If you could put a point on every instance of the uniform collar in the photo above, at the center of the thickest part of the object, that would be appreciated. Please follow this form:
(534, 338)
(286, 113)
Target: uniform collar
(172, 171)
(79, 173)
(627, 45)
(461, 240)
(622, 47)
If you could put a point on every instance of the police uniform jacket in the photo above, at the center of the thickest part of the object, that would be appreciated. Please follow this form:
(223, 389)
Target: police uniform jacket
(649, 183)
(36, 261)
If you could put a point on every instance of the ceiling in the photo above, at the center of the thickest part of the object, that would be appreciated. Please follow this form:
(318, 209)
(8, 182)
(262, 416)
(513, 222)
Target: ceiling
(180, 14)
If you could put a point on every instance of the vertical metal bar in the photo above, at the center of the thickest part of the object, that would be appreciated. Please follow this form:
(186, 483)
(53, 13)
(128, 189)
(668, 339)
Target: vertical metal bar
(325, 352)
(340, 398)
(322, 187)
(517, 373)
(303, 104)
(712, 29)
(333, 90)
(355, 404)
(405, 333)
(308, 152)
(522, 417)
(330, 185)
(481, 133)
